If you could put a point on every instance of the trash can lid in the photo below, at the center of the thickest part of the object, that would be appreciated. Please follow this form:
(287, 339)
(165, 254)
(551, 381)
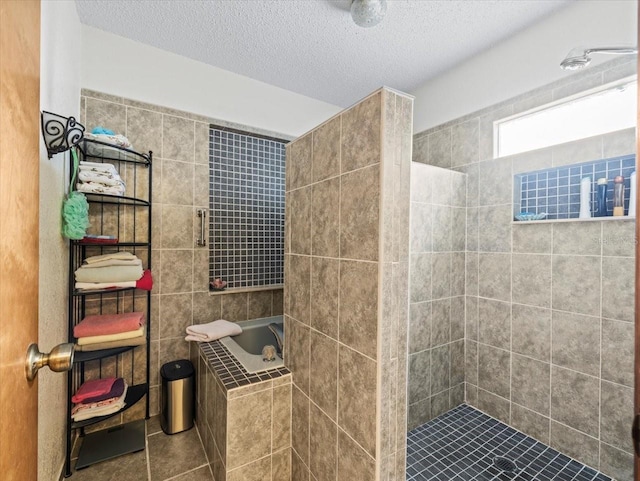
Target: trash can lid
(180, 369)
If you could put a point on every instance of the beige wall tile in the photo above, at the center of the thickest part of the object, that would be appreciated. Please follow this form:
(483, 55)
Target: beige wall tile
(361, 134)
(530, 422)
(358, 315)
(177, 182)
(324, 217)
(573, 274)
(325, 289)
(359, 214)
(299, 294)
(297, 359)
(617, 351)
(201, 138)
(178, 227)
(574, 443)
(616, 415)
(300, 425)
(323, 445)
(300, 221)
(576, 342)
(259, 304)
(326, 150)
(575, 400)
(175, 314)
(256, 471)
(493, 405)
(176, 268)
(439, 148)
(107, 114)
(616, 463)
(531, 279)
(465, 142)
(494, 370)
(356, 397)
(178, 138)
(234, 306)
(281, 465)
(281, 429)
(323, 375)
(532, 332)
(298, 165)
(353, 461)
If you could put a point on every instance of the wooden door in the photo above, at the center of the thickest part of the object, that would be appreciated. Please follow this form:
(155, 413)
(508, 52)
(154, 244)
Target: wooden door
(636, 422)
(19, 168)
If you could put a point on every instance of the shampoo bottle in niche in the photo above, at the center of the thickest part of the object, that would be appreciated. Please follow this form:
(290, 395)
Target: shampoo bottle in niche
(585, 198)
(618, 196)
(632, 195)
(602, 197)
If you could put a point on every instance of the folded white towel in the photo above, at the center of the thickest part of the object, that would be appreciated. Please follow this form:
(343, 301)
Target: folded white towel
(95, 188)
(105, 178)
(99, 167)
(122, 255)
(212, 331)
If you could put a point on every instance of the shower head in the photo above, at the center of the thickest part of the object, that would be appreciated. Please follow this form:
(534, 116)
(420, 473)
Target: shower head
(579, 57)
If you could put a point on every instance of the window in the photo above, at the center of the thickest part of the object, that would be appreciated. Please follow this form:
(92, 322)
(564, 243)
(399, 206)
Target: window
(607, 109)
(246, 194)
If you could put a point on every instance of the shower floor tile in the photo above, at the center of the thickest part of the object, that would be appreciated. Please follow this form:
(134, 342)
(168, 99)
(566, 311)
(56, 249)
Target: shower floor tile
(463, 443)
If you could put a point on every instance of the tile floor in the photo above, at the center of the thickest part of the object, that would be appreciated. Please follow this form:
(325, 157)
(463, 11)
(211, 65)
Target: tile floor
(179, 457)
(462, 444)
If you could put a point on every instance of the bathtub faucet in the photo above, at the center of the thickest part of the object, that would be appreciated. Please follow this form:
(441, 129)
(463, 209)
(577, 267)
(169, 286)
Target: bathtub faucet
(278, 332)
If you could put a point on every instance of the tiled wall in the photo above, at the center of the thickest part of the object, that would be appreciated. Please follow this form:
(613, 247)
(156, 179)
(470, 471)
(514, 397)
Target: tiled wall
(549, 307)
(246, 431)
(436, 326)
(180, 297)
(346, 301)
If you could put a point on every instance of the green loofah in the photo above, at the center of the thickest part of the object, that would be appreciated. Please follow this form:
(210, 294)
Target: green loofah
(75, 209)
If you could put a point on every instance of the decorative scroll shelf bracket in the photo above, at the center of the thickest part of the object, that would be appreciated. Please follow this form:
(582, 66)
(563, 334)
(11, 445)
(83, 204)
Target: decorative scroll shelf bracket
(60, 133)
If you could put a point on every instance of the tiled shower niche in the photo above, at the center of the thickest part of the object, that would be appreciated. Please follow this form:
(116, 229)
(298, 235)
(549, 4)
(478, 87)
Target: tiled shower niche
(556, 191)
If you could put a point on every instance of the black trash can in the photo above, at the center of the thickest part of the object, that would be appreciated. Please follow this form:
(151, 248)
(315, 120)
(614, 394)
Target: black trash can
(177, 396)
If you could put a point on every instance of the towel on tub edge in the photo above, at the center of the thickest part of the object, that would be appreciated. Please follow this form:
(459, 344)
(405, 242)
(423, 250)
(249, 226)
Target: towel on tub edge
(212, 331)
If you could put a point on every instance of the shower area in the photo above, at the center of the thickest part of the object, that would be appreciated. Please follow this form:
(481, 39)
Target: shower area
(520, 341)
(433, 337)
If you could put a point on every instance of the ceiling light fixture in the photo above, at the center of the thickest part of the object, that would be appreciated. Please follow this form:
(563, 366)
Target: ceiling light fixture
(368, 13)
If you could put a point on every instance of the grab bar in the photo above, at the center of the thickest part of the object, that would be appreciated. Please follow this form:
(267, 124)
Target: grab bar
(201, 241)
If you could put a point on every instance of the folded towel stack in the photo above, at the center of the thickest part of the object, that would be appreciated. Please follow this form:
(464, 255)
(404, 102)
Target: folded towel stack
(107, 331)
(118, 269)
(212, 331)
(99, 397)
(99, 178)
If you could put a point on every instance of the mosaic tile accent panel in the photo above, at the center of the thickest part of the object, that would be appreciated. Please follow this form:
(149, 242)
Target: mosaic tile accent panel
(556, 191)
(246, 225)
(230, 371)
(463, 443)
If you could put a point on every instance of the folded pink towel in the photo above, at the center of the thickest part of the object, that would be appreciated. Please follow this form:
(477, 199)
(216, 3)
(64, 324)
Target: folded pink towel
(101, 325)
(212, 331)
(93, 388)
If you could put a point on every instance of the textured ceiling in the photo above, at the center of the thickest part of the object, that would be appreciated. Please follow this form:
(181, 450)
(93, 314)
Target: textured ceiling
(312, 46)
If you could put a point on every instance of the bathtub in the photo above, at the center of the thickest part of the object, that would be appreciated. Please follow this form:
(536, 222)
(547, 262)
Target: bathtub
(247, 347)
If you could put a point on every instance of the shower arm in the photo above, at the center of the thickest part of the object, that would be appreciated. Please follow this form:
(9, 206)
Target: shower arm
(611, 50)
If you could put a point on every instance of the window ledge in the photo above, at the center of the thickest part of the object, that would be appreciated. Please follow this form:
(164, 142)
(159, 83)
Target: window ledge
(556, 221)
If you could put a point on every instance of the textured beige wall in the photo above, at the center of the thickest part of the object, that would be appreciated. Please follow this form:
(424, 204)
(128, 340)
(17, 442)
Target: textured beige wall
(346, 294)
(549, 307)
(436, 319)
(180, 297)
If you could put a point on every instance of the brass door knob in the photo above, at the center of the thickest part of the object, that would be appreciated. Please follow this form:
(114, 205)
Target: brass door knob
(59, 359)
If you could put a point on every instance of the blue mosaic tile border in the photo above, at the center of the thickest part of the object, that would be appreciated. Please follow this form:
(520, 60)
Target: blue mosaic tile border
(462, 444)
(556, 191)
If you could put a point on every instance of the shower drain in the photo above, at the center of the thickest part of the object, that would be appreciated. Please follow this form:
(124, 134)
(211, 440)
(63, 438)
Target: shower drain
(504, 464)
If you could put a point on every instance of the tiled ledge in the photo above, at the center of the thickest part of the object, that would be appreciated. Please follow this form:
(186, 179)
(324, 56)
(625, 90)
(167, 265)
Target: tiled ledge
(230, 372)
(556, 221)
